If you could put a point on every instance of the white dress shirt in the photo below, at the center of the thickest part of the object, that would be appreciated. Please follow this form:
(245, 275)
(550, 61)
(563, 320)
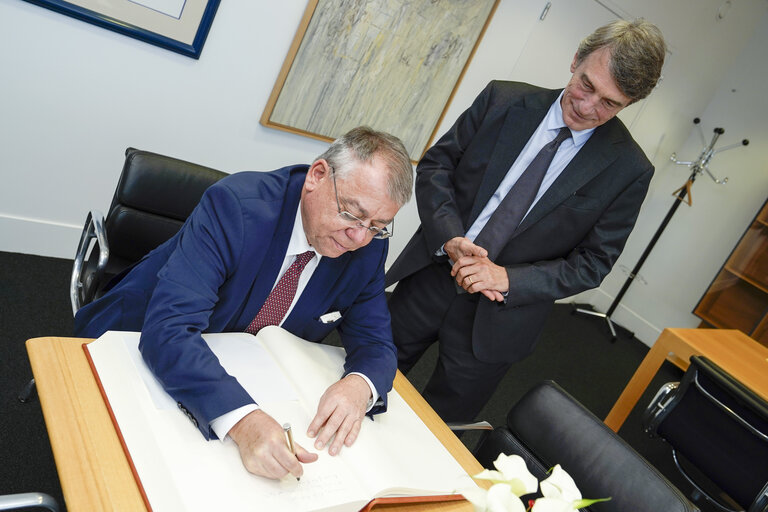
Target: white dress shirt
(297, 244)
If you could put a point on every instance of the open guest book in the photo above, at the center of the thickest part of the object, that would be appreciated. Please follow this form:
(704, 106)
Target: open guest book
(396, 457)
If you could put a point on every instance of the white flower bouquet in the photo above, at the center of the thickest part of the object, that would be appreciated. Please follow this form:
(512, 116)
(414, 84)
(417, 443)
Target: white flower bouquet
(511, 480)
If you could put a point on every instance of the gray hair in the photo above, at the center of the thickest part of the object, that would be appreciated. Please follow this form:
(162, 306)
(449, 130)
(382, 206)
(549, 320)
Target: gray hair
(637, 54)
(362, 144)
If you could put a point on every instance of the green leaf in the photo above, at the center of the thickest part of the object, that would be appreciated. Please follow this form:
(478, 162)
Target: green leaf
(585, 503)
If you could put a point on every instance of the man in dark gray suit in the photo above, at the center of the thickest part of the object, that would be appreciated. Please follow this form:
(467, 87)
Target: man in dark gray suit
(483, 288)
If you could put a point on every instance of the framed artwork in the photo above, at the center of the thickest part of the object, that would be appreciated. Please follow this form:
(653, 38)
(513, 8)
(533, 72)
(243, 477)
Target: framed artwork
(177, 25)
(390, 64)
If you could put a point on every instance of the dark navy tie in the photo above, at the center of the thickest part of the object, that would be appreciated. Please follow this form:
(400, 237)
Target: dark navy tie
(511, 210)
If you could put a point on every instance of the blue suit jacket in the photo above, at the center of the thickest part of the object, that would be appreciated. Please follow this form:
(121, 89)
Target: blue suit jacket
(214, 275)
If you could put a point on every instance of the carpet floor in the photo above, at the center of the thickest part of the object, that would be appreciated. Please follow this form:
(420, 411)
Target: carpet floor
(574, 350)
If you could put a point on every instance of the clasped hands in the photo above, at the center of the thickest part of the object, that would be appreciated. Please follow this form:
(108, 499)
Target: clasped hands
(473, 270)
(262, 443)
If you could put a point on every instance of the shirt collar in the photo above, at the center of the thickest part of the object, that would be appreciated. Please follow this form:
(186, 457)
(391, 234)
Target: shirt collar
(298, 243)
(554, 121)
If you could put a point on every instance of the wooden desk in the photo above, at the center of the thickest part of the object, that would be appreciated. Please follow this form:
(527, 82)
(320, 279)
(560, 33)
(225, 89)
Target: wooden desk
(93, 469)
(732, 350)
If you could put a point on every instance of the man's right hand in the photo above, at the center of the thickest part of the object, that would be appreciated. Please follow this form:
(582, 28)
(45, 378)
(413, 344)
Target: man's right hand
(264, 449)
(460, 246)
(463, 252)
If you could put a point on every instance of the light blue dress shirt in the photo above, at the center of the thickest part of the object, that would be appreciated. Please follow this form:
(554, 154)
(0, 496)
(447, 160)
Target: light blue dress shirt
(545, 133)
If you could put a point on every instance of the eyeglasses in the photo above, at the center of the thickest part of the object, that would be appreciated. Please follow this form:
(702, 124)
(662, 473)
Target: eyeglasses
(379, 233)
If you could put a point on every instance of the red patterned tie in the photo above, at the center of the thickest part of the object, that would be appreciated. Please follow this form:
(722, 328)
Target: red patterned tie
(281, 296)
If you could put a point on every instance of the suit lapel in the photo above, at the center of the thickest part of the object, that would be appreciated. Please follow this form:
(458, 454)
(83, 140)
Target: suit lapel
(521, 121)
(264, 277)
(598, 153)
(319, 286)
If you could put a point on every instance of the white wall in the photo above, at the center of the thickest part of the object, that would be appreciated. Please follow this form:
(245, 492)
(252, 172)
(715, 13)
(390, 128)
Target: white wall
(699, 238)
(73, 96)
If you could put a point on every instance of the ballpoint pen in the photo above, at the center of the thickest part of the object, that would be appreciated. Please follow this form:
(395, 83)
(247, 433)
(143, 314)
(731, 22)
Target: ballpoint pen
(289, 436)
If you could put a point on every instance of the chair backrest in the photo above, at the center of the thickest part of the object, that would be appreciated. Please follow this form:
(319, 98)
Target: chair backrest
(547, 426)
(153, 198)
(720, 427)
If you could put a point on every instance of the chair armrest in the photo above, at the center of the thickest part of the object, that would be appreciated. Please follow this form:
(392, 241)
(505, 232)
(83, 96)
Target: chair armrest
(28, 499)
(657, 409)
(761, 503)
(478, 425)
(93, 228)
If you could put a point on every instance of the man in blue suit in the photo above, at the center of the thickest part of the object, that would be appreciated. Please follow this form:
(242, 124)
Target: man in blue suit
(218, 271)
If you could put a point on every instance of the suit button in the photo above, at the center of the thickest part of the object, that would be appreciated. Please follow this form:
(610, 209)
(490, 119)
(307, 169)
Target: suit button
(187, 413)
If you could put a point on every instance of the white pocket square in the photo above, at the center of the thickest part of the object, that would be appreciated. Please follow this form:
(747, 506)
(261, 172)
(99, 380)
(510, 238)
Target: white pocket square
(331, 317)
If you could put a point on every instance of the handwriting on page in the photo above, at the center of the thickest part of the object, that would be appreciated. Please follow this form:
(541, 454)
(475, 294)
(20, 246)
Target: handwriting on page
(311, 490)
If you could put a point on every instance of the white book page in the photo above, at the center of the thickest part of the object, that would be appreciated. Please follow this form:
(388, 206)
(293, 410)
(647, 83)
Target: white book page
(385, 448)
(180, 470)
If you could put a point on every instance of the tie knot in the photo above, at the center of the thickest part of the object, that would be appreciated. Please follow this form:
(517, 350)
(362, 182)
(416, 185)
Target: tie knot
(564, 133)
(303, 258)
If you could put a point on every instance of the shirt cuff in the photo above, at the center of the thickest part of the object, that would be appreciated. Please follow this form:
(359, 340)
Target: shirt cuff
(374, 394)
(222, 425)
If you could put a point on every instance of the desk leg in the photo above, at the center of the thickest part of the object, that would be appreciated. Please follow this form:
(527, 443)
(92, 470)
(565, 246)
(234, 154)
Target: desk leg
(637, 384)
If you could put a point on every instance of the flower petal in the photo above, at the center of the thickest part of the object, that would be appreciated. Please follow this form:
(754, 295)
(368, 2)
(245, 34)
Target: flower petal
(515, 471)
(552, 505)
(501, 499)
(477, 496)
(488, 474)
(560, 485)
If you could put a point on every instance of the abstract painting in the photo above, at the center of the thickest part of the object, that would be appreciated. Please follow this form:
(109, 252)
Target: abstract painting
(389, 64)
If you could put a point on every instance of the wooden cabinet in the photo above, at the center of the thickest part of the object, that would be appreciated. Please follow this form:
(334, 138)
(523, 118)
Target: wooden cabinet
(738, 296)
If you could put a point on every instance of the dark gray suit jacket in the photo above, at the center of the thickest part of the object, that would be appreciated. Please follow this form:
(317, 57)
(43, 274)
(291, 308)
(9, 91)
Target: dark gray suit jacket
(567, 243)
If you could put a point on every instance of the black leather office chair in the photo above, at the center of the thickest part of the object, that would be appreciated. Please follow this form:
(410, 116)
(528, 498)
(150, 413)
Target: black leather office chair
(154, 196)
(718, 429)
(28, 500)
(547, 426)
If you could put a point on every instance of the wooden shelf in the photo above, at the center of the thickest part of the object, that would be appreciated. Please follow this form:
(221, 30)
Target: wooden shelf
(738, 296)
(761, 333)
(762, 217)
(737, 305)
(745, 277)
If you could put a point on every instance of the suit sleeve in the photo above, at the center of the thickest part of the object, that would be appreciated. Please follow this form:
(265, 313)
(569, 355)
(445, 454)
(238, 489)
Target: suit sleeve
(435, 176)
(181, 305)
(590, 261)
(367, 335)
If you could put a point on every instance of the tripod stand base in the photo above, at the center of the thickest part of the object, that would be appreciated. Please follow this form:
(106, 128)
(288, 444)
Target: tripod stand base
(601, 315)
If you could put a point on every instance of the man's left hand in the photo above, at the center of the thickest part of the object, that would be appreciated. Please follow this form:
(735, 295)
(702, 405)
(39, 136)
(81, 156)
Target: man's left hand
(340, 412)
(476, 274)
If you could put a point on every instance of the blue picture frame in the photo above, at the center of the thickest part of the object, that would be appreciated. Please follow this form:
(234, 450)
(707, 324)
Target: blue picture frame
(142, 33)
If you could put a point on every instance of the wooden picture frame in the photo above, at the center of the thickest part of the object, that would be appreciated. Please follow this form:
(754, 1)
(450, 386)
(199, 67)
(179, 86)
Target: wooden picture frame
(388, 64)
(177, 25)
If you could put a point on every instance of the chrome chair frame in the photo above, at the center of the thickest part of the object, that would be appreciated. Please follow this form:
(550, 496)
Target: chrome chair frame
(27, 500)
(671, 393)
(94, 230)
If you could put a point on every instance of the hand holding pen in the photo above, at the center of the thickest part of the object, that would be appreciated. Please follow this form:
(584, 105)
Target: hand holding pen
(264, 448)
(289, 436)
